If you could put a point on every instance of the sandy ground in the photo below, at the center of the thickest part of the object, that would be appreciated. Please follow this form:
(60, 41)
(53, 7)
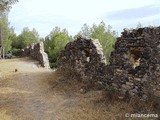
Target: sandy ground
(35, 93)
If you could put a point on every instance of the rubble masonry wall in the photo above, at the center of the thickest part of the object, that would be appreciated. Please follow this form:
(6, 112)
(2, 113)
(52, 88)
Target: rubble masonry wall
(134, 67)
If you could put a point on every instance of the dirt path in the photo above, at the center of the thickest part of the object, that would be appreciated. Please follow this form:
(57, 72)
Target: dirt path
(23, 95)
(34, 93)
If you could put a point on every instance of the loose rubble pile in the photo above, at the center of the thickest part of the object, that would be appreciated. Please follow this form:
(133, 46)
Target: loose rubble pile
(134, 67)
(36, 51)
(135, 63)
(84, 56)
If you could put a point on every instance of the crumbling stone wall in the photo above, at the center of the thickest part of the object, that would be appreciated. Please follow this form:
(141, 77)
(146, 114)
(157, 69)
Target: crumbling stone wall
(36, 51)
(134, 67)
(84, 56)
(135, 63)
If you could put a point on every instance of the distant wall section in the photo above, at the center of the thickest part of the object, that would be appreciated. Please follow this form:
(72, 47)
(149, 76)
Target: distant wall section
(36, 51)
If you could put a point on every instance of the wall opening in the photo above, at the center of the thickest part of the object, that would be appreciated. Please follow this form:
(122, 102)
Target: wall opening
(134, 55)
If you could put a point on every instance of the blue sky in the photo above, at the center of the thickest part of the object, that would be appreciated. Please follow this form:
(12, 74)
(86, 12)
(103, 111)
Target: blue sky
(44, 15)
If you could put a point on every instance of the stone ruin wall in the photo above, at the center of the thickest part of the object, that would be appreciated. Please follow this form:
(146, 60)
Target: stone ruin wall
(135, 63)
(84, 56)
(36, 51)
(134, 67)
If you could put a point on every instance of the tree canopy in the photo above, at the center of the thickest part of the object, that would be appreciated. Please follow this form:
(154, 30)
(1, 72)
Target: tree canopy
(5, 32)
(54, 43)
(26, 38)
(6, 4)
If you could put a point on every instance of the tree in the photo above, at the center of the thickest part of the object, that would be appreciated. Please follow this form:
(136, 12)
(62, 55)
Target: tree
(5, 42)
(26, 38)
(54, 43)
(106, 37)
(13, 38)
(86, 31)
(6, 4)
(139, 25)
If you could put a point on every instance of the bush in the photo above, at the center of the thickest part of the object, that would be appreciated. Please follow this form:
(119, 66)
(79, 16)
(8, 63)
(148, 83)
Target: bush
(54, 43)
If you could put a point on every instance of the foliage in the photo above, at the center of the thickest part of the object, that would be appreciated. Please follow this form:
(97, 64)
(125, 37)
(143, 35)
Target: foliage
(54, 43)
(26, 38)
(13, 37)
(6, 4)
(85, 32)
(139, 25)
(105, 35)
(4, 26)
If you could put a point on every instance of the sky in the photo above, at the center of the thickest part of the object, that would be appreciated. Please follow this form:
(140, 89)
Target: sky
(44, 15)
